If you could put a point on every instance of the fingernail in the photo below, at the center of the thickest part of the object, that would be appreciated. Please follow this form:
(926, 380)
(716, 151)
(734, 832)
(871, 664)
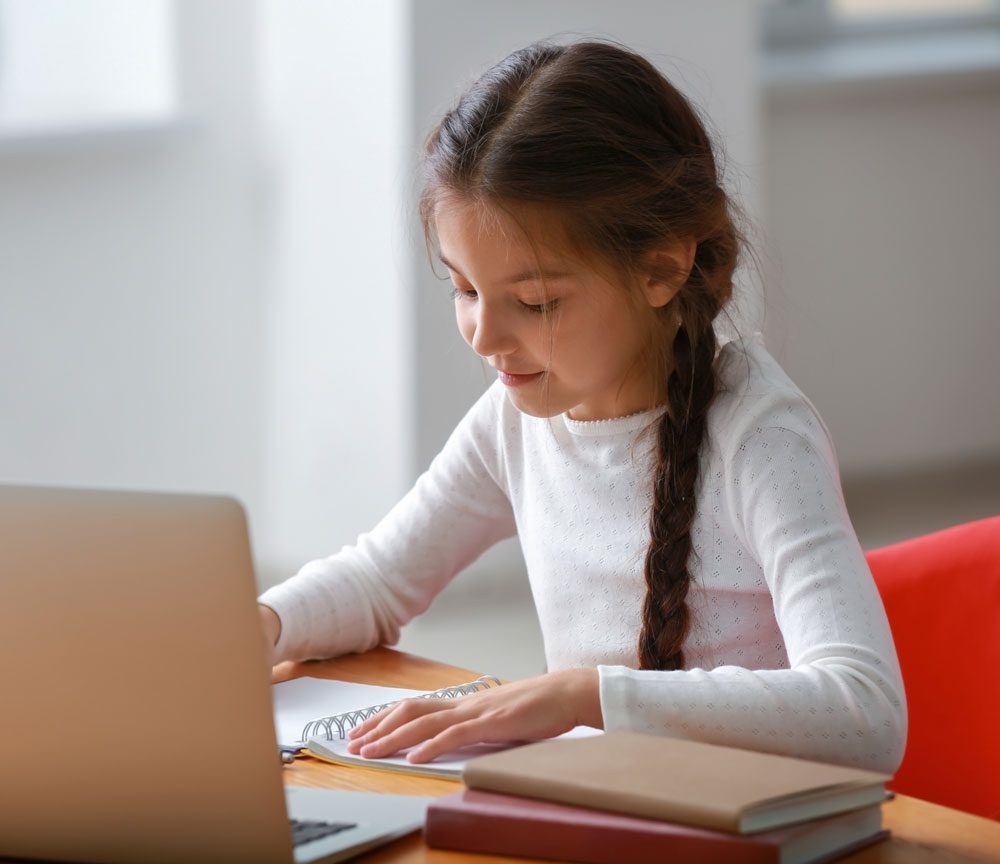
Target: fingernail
(369, 749)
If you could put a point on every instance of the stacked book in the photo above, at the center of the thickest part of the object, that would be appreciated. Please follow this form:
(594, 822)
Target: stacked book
(625, 796)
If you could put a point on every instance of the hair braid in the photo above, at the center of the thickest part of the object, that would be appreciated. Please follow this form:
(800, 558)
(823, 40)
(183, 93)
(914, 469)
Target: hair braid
(690, 389)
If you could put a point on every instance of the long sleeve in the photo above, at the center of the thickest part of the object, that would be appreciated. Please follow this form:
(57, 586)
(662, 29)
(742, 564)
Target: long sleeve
(361, 596)
(841, 699)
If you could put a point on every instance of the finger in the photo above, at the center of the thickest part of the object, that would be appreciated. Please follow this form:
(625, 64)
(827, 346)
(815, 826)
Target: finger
(452, 738)
(388, 718)
(388, 721)
(366, 726)
(409, 734)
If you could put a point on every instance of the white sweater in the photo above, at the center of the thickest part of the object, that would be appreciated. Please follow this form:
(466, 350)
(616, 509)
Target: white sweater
(789, 649)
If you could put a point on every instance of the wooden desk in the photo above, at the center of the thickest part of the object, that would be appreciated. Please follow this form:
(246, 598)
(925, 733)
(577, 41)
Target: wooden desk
(921, 831)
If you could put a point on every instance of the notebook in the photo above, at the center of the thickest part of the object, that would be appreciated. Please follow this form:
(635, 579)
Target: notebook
(496, 824)
(132, 640)
(298, 702)
(328, 709)
(655, 777)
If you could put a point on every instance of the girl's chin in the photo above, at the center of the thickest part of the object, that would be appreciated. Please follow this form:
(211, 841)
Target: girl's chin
(535, 405)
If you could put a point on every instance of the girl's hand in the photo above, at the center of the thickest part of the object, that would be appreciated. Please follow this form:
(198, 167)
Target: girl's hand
(527, 710)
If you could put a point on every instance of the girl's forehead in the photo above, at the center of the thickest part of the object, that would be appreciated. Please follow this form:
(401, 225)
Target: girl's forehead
(521, 230)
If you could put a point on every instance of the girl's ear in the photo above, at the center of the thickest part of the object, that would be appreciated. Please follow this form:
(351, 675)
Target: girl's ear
(668, 268)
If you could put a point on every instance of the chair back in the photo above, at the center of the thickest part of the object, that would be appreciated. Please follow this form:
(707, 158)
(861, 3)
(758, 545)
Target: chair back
(942, 596)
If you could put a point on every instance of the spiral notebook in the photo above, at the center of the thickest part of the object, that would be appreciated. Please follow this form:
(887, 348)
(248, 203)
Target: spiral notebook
(302, 727)
(327, 709)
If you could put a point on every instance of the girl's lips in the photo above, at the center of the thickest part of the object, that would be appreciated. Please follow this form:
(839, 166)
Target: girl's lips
(512, 380)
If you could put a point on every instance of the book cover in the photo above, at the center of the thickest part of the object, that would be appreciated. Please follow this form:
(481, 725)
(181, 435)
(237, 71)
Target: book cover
(492, 823)
(708, 785)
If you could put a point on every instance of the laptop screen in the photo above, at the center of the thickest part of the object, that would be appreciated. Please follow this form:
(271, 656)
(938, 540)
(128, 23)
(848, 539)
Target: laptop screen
(132, 661)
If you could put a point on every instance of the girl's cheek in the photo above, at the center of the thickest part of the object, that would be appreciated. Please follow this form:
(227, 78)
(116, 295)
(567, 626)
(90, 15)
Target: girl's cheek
(466, 327)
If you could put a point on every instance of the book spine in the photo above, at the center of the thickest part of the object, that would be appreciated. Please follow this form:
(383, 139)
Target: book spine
(522, 836)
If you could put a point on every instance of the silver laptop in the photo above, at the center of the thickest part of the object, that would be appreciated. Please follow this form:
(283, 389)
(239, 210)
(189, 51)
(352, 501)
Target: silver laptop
(135, 720)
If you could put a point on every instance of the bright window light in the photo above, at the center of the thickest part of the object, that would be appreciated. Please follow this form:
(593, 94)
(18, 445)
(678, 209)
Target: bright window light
(854, 10)
(71, 63)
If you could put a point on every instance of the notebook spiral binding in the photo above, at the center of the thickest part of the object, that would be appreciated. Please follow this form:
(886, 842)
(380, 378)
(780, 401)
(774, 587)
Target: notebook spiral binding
(324, 726)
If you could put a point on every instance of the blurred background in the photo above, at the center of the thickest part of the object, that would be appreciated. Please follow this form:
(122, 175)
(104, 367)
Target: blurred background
(212, 277)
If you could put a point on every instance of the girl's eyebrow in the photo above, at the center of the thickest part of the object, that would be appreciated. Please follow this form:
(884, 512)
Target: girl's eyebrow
(525, 276)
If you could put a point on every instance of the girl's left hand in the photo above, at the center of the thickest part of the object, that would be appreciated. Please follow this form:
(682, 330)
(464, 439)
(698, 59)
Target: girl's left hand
(527, 710)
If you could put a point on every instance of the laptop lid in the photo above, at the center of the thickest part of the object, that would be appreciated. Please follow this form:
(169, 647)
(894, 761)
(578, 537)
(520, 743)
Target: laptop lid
(137, 720)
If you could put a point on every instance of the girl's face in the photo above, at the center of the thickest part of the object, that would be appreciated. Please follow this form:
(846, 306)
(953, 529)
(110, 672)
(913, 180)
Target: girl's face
(574, 344)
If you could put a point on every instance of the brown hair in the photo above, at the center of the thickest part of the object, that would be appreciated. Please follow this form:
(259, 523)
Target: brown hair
(595, 135)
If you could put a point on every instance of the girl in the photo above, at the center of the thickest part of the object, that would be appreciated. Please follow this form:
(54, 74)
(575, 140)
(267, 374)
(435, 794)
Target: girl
(692, 562)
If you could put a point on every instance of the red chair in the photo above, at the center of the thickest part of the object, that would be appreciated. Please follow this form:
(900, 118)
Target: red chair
(942, 595)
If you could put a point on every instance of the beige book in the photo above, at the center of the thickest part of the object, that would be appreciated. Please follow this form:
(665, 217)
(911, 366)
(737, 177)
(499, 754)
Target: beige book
(708, 785)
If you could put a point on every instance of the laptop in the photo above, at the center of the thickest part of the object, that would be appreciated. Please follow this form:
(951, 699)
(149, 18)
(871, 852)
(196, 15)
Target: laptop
(136, 721)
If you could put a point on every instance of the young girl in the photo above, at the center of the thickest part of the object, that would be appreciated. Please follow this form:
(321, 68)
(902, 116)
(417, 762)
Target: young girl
(678, 503)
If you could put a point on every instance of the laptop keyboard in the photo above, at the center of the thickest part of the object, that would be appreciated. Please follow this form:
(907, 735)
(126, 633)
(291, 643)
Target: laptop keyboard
(307, 830)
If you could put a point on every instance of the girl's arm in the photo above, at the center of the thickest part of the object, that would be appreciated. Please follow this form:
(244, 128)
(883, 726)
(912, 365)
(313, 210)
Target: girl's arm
(361, 596)
(842, 698)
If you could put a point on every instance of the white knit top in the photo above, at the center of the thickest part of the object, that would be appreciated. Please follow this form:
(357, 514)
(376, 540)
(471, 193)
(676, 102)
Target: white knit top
(789, 649)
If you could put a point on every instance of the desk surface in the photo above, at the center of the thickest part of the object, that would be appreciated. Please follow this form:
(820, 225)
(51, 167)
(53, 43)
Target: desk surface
(921, 831)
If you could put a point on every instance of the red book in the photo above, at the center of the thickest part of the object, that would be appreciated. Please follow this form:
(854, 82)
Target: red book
(475, 821)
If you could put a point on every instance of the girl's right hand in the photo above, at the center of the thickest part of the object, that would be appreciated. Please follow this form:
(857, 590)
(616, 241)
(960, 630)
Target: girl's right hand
(526, 710)
(271, 627)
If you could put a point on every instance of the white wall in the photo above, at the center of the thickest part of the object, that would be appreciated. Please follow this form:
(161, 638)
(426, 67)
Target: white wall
(221, 305)
(130, 290)
(335, 396)
(883, 294)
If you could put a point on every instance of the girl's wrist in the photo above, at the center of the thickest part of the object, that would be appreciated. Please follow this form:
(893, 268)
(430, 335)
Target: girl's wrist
(584, 688)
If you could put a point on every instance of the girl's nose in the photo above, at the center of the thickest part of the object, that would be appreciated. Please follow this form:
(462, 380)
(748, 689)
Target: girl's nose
(493, 334)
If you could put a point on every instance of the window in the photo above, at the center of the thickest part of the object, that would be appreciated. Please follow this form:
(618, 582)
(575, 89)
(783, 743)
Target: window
(860, 10)
(65, 63)
(789, 23)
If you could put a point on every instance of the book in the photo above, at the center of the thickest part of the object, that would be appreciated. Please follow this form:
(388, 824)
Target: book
(493, 823)
(675, 780)
(326, 709)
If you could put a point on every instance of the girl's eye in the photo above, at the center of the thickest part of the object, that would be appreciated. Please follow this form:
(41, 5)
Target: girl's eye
(539, 308)
(535, 308)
